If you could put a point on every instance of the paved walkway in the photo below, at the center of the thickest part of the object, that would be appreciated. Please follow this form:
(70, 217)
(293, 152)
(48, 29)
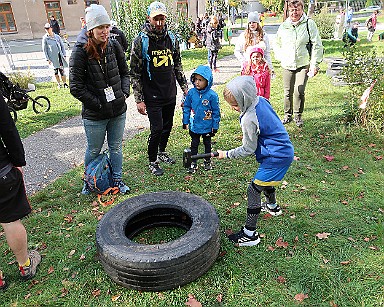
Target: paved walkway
(56, 150)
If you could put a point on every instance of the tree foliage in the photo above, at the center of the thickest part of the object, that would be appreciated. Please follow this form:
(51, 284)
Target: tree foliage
(132, 15)
(363, 67)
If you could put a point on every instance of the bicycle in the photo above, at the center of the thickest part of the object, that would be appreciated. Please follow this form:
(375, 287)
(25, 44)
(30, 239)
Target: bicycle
(18, 98)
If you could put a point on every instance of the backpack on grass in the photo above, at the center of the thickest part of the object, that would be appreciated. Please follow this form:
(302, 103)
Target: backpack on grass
(98, 177)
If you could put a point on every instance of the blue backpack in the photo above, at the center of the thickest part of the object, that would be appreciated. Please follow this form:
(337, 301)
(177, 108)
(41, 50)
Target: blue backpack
(144, 47)
(98, 177)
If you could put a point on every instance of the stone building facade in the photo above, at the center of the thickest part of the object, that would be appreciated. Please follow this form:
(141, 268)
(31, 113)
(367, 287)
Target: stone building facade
(25, 19)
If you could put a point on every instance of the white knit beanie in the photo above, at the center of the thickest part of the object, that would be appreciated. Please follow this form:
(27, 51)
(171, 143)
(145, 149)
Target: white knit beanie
(253, 17)
(96, 15)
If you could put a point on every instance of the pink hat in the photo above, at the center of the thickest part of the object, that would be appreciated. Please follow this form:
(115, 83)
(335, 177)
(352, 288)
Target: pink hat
(256, 49)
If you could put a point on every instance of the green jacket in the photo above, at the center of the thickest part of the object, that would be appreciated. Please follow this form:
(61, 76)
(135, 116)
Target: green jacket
(290, 44)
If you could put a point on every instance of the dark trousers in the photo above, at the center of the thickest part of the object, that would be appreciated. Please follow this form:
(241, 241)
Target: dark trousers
(195, 142)
(212, 60)
(161, 122)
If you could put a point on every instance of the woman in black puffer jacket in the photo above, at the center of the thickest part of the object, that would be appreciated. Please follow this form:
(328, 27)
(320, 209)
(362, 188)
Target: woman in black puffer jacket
(98, 75)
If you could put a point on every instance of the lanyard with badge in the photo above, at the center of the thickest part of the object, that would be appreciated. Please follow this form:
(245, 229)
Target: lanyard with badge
(108, 91)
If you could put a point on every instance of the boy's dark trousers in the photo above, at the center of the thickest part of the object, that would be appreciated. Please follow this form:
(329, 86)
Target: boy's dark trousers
(195, 142)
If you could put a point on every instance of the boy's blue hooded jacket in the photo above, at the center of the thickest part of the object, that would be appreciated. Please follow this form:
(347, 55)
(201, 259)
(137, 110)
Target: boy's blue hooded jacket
(201, 109)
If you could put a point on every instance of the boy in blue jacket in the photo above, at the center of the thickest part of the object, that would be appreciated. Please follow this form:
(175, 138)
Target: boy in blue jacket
(201, 113)
(265, 137)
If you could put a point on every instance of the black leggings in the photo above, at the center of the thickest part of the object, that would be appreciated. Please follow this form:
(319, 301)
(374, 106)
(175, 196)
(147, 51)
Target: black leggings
(161, 122)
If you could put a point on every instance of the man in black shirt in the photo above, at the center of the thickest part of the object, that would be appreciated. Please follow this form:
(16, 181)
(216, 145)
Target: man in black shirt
(155, 68)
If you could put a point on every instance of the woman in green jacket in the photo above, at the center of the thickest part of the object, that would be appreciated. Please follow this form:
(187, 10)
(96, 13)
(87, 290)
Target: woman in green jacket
(299, 49)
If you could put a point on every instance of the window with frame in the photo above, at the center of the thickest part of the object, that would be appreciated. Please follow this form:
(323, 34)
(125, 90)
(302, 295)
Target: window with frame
(89, 2)
(182, 7)
(7, 21)
(53, 8)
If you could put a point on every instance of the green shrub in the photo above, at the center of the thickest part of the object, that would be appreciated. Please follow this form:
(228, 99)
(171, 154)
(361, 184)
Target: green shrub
(363, 67)
(22, 78)
(325, 23)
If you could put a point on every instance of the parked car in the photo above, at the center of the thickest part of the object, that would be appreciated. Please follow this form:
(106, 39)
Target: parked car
(371, 8)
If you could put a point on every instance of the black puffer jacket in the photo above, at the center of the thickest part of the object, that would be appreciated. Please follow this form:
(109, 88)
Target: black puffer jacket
(88, 81)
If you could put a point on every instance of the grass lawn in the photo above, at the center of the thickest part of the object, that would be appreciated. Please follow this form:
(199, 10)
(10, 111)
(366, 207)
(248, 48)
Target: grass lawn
(325, 250)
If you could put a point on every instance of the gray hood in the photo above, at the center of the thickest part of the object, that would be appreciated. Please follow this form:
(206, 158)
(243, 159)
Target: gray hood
(243, 88)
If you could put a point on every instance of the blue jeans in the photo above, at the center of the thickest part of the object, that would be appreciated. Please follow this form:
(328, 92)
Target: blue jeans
(95, 131)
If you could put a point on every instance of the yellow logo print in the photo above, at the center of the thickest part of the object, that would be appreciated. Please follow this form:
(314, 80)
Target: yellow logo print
(162, 58)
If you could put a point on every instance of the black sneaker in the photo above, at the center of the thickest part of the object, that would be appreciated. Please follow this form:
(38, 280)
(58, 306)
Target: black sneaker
(273, 209)
(193, 168)
(28, 272)
(208, 165)
(164, 157)
(241, 239)
(155, 168)
(123, 188)
(287, 119)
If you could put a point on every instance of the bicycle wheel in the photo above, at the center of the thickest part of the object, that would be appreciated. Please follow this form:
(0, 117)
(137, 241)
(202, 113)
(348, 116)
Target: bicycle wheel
(41, 104)
(13, 113)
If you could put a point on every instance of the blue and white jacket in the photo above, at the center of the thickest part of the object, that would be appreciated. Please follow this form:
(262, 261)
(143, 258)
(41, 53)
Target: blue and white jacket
(201, 109)
(263, 133)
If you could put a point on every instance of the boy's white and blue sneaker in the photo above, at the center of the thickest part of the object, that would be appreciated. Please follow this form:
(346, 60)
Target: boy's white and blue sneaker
(273, 209)
(242, 239)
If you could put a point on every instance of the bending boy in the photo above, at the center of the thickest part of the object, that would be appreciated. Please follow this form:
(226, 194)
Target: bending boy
(265, 137)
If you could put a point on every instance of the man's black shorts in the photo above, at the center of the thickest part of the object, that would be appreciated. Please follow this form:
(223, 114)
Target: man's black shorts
(14, 203)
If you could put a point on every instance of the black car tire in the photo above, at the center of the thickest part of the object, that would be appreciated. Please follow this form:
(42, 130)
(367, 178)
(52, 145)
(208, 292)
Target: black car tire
(165, 266)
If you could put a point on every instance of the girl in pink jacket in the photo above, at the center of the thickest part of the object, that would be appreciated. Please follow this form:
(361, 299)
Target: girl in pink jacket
(257, 67)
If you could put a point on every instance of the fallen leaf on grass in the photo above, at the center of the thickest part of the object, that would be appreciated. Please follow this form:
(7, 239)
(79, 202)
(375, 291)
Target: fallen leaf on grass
(115, 297)
(345, 167)
(345, 262)
(281, 243)
(64, 292)
(281, 279)
(371, 145)
(329, 158)
(379, 158)
(270, 248)
(375, 248)
(312, 214)
(323, 235)
(332, 304)
(50, 270)
(267, 216)
(71, 253)
(325, 260)
(82, 257)
(96, 292)
(296, 158)
(234, 205)
(27, 296)
(301, 297)
(192, 301)
(219, 298)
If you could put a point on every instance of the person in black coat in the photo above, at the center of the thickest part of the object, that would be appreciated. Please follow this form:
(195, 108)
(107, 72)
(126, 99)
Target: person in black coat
(99, 78)
(14, 204)
(117, 34)
(54, 25)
